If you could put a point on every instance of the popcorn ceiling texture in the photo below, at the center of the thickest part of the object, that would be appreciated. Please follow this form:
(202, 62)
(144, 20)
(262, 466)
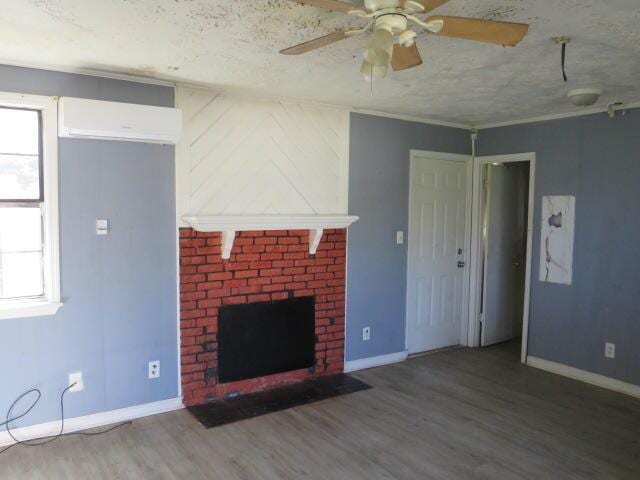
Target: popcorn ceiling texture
(233, 46)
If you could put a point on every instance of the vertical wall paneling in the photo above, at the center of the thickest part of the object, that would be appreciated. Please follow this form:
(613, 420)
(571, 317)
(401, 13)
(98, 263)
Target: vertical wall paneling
(118, 290)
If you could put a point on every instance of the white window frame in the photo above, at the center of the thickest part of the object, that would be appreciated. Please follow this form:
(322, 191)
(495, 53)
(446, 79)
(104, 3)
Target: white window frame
(50, 303)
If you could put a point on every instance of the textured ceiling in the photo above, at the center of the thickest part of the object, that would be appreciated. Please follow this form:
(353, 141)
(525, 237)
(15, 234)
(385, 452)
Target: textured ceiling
(233, 45)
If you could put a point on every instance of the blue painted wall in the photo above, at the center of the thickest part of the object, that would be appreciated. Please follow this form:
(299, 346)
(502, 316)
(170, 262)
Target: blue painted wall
(379, 194)
(597, 159)
(119, 291)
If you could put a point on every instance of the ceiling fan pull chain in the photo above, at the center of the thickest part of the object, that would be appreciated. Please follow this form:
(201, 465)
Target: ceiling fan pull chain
(564, 59)
(371, 79)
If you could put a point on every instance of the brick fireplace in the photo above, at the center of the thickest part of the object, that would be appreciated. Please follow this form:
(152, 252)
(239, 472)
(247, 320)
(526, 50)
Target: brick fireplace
(263, 266)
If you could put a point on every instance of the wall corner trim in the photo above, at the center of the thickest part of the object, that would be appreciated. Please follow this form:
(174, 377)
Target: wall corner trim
(410, 118)
(584, 376)
(378, 361)
(554, 116)
(92, 421)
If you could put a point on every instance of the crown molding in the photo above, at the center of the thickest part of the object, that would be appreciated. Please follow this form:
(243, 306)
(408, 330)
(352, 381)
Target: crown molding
(233, 92)
(409, 118)
(246, 95)
(91, 73)
(557, 116)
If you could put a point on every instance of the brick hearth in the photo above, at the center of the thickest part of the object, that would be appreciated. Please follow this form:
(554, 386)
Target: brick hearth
(264, 265)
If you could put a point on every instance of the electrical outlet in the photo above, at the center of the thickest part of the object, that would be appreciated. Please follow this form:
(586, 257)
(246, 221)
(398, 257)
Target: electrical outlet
(366, 334)
(77, 379)
(610, 350)
(400, 237)
(154, 369)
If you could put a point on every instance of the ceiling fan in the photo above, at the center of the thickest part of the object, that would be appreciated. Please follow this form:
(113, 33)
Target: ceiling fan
(392, 41)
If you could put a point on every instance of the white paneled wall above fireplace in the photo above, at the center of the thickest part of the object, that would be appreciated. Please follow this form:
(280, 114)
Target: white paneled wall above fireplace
(247, 157)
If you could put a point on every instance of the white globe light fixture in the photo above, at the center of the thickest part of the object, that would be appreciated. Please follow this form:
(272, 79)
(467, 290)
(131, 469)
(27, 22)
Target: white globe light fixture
(379, 48)
(584, 97)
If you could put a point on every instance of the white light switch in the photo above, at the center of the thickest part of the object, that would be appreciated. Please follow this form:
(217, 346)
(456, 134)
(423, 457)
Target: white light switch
(400, 237)
(102, 227)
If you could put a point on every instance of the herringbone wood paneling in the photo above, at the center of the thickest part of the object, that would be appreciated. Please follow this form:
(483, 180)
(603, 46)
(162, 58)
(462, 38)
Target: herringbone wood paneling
(248, 157)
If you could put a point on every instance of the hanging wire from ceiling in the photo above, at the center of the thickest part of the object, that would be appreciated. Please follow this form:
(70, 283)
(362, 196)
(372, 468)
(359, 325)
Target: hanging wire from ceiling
(563, 42)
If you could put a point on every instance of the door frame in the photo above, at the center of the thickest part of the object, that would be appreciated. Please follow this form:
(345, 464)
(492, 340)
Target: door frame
(477, 254)
(415, 155)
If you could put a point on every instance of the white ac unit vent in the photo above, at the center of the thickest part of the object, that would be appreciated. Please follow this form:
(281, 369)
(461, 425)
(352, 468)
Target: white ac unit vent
(82, 118)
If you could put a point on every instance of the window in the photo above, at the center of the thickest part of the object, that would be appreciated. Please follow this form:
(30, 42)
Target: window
(29, 278)
(21, 249)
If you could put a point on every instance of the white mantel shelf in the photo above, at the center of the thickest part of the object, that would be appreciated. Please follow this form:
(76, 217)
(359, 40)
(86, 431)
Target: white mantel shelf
(230, 224)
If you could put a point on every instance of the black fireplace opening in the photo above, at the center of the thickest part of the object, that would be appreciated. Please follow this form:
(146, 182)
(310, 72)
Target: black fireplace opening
(265, 338)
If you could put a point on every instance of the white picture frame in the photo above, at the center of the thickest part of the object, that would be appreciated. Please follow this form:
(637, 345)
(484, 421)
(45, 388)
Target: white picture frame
(557, 239)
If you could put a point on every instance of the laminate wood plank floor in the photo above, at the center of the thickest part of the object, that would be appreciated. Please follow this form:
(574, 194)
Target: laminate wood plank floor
(457, 414)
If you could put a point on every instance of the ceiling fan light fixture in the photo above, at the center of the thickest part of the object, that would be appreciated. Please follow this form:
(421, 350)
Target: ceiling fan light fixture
(371, 71)
(584, 97)
(379, 48)
(413, 6)
(434, 26)
(407, 38)
(391, 19)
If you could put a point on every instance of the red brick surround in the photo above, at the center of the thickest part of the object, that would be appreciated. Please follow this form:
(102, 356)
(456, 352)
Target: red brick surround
(264, 265)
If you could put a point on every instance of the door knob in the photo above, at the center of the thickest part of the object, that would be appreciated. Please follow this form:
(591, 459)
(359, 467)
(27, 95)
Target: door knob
(461, 264)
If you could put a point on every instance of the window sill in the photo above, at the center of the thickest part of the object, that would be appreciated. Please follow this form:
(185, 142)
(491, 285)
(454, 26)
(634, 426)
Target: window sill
(28, 309)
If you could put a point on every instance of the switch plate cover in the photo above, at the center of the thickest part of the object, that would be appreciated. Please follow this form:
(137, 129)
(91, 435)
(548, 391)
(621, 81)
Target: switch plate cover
(102, 226)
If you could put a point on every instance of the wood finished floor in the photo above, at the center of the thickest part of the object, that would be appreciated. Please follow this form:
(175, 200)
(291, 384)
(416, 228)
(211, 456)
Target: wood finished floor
(459, 414)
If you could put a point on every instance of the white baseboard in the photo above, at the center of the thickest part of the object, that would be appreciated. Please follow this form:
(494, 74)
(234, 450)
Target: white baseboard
(91, 421)
(584, 376)
(355, 365)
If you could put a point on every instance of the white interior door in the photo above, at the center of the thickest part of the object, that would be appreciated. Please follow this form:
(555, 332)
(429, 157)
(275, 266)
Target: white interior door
(505, 251)
(437, 249)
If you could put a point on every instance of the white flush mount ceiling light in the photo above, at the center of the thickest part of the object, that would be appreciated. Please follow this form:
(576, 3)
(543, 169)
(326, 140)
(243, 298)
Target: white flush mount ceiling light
(584, 97)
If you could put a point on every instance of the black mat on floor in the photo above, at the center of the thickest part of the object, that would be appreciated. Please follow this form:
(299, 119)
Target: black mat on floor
(229, 410)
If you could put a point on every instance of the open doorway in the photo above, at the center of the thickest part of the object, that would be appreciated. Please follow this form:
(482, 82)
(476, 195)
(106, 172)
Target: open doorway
(504, 243)
(501, 250)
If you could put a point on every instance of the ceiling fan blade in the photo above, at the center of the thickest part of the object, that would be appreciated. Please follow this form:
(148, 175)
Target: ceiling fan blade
(487, 31)
(429, 5)
(316, 43)
(405, 57)
(334, 5)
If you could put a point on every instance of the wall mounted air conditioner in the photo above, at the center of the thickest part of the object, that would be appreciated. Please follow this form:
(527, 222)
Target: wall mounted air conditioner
(82, 118)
